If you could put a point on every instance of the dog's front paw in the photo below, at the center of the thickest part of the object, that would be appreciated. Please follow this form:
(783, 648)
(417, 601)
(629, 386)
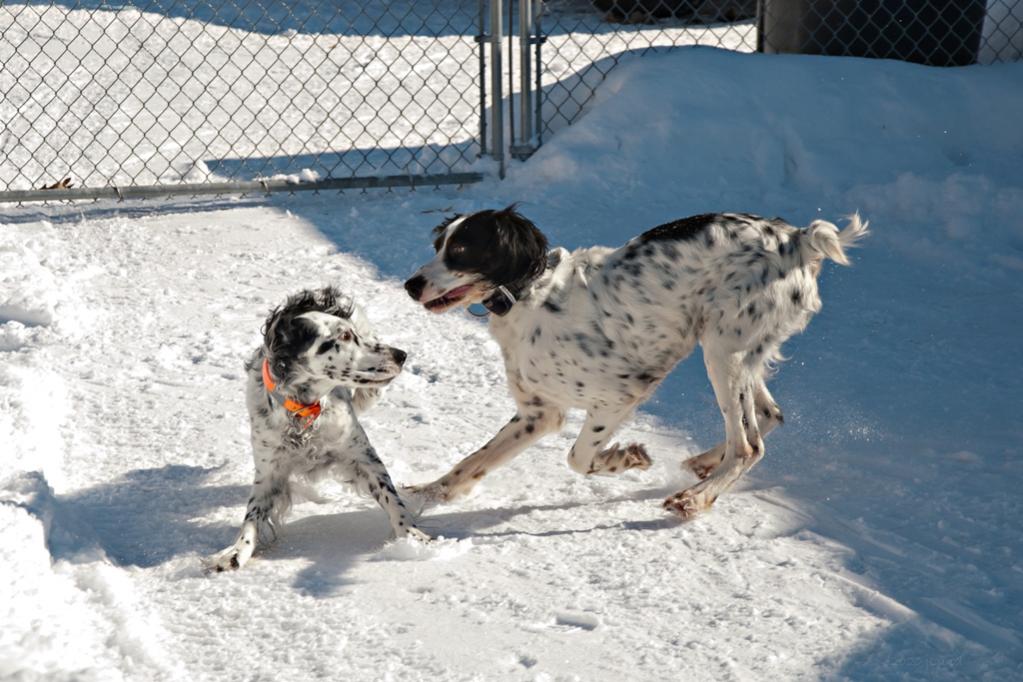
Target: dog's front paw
(414, 533)
(230, 559)
(616, 459)
(636, 457)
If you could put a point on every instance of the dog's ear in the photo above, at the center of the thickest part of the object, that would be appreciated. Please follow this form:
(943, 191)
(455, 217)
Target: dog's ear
(438, 232)
(285, 338)
(521, 244)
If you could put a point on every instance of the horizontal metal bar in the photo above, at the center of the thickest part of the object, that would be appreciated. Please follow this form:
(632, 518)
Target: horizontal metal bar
(236, 187)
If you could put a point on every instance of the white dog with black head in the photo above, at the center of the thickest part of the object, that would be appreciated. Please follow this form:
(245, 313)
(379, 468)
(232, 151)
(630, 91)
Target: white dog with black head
(319, 367)
(599, 328)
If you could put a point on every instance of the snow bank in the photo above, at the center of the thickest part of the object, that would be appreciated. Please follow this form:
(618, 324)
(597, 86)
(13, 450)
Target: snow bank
(40, 304)
(40, 271)
(33, 410)
(62, 622)
(719, 128)
(29, 291)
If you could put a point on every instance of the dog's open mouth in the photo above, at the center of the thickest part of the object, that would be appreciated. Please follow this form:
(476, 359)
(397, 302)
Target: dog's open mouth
(368, 380)
(448, 299)
(378, 382)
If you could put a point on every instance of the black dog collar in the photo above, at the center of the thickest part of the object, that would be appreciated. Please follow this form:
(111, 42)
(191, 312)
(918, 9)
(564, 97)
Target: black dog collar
(504, 297)
(500, 302)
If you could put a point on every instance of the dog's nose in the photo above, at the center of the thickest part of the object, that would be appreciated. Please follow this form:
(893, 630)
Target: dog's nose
(399, 356)
(415, 286)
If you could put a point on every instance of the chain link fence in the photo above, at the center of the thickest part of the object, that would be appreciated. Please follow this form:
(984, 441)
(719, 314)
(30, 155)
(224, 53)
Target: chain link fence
(165, 92)
(585, 39)
(120, 98)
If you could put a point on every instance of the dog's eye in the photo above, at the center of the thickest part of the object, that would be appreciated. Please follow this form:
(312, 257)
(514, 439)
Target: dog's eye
(456, 249)
(346, 336)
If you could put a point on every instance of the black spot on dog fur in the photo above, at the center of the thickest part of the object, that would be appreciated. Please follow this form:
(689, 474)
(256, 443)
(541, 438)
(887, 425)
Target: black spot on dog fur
(682, 230)
(551, 307)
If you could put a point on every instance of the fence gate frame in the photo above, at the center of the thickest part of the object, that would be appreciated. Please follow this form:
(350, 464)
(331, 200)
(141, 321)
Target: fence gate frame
(526, 63)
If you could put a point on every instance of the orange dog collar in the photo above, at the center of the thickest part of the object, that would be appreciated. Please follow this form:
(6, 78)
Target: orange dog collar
(306, 411)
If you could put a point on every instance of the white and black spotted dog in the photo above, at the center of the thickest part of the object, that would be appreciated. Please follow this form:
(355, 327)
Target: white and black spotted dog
(599, 328)
(318, 368)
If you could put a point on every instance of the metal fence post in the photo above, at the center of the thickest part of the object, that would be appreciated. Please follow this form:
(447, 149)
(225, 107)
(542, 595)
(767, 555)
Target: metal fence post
(525, 82)
(496, 91)
(524, 147)
(538, 40)
(481, 38)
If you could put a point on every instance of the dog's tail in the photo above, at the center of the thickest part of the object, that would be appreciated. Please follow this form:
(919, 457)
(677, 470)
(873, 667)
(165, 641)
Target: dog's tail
(823, 240)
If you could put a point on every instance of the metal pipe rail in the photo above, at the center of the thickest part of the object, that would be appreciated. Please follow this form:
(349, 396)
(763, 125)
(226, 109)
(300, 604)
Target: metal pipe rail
(237, 187)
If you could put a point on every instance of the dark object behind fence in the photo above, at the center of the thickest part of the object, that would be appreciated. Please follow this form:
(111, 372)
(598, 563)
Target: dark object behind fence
(922, 31)
(696, 11)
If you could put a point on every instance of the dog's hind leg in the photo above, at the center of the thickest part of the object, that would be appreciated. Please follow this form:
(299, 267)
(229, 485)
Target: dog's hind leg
(768, 417)
(734, 386)
(534, 419)
(589, 456)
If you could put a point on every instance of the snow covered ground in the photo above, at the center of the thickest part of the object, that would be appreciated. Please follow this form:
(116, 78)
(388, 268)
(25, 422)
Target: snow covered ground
(878, 539)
